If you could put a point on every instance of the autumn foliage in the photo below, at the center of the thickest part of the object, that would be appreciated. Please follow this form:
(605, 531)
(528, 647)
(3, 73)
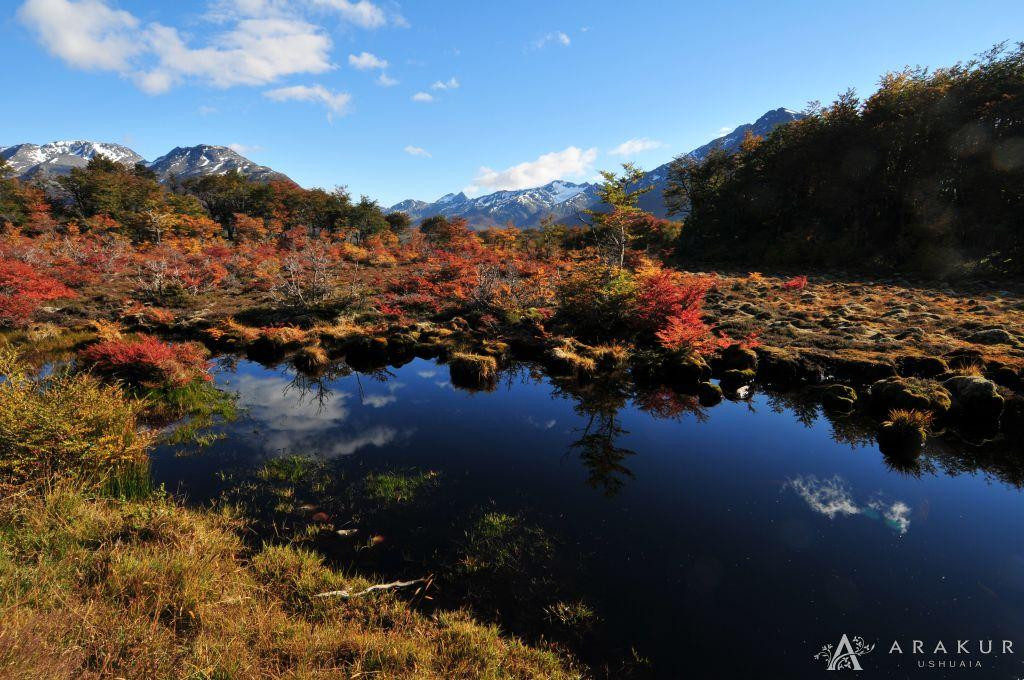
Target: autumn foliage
(147, 362)
(23, 289)
(161, 258)
(796, 283)
(669, 305)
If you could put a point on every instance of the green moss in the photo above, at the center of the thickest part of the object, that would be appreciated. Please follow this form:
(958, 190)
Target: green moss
(733, 379)
(910, 394)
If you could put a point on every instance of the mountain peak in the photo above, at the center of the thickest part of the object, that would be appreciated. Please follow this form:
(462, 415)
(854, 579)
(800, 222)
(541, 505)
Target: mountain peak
(184, 162)
(452, 198)
(563, 199)
(61, 157)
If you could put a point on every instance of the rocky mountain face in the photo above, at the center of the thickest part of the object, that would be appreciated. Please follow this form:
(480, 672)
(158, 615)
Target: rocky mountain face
(523, 207)
(29, 161)
(58, 158)
(185, 162)
(564, 201)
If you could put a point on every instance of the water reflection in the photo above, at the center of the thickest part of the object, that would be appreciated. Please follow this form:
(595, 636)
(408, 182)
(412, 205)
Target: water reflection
(613, 479)
(832, 497)
(301, 414)
(601, 456)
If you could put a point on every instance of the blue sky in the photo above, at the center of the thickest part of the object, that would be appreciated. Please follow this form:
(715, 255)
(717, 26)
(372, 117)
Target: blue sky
(474, 95)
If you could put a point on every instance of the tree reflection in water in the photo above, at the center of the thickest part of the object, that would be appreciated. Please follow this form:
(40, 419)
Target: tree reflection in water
(602, 458)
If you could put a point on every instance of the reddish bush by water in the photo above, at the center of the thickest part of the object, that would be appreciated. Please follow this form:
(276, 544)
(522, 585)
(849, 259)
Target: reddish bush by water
(145, 361)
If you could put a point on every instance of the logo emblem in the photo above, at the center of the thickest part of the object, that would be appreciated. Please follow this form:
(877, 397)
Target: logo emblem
(844, 656)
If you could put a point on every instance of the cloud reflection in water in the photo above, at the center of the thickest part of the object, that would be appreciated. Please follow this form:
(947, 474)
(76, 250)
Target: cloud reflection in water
(832, 496)
(290, 422)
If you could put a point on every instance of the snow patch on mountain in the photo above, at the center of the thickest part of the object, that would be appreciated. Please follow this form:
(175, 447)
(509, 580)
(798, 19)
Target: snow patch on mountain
(60, 158)
(565, 201)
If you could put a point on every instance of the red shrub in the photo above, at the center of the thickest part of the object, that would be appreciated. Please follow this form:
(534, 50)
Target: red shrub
(669, 305)
(663, 293)
(796, 283)
(23, 290)
(685, 331)
(145, 361)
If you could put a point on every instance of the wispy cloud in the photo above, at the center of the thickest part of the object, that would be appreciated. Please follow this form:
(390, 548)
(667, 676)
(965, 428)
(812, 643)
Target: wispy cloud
(384, 80)
(208, 110)
(417, 151)
(554, 38)
(832, 497)
(450, 84)
(366, 61)
(337, 103)
(631, 147)
(570, 162)
(244, 148)
(423, 97)
(362, 13)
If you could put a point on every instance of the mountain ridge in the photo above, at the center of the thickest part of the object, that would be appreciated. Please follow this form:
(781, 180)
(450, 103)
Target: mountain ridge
(560, 200)
(526, 207)
(53, 159)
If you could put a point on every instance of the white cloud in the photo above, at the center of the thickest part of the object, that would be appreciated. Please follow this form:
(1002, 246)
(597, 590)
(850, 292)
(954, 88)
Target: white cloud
(337, 103)
(87, 34)
(244, 148)
(208, 110)
(377, 436)
(382, 400)
(254, 52)
(363, 13)
(571, 162)
(257, 42)
(450, 84)
(384, 80)
(724, 130)
(555, 38)
(423, 97)
(417, 151)
(832, 497)
(366, 61)
(631, 147)
(896, 515)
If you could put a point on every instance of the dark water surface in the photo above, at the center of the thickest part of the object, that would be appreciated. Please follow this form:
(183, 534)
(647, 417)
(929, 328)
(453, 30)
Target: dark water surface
(729, 542)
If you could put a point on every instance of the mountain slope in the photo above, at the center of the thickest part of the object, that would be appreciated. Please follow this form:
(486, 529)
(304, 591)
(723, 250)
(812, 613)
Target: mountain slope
(28, 161)
(654, 202)
(58, 158)
(565, 200)
(185, 162)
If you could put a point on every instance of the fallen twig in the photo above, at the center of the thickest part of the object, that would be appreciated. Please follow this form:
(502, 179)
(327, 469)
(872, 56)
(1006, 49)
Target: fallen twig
(345, 594)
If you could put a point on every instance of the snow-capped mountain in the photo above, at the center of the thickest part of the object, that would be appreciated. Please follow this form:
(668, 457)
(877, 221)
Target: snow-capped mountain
(184, 162)
(58, 158)
(524, 207)
(28, 161)
(565, 200)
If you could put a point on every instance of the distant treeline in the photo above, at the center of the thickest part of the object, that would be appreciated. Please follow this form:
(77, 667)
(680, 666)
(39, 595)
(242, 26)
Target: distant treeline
(109, 196)
(925, 176)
